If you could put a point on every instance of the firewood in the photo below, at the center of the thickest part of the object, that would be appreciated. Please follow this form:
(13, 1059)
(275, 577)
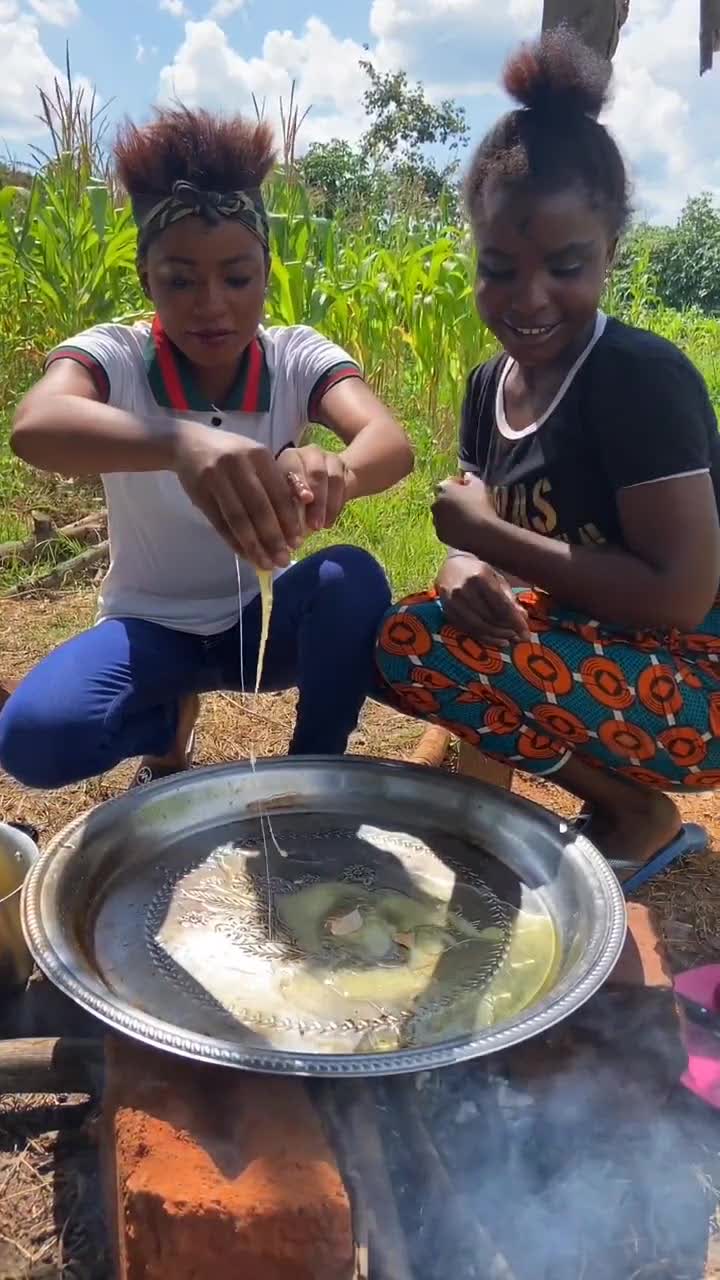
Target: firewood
(53, 1065)
(89, 528)
(64, 572)
(350, 1114)
(433, 1174)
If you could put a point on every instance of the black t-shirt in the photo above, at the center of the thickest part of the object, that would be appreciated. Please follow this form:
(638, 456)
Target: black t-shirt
(633, 409)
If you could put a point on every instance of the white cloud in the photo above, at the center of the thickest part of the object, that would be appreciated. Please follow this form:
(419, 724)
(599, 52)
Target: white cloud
(176, 8)
(8, 10)
(140, 50)
(663, 115)
(59, 12)
(225, 9)
(24, 67)
(208, 71)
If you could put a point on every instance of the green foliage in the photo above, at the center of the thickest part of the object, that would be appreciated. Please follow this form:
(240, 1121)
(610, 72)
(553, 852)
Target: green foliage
(683, 262)
(394, 166)
(339, 177)
(403, 122)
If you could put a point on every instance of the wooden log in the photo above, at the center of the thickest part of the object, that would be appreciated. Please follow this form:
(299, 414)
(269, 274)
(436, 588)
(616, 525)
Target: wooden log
(44, 529)
(350, 1115)
(59, 576)
(53, 1065)
(432, 748)
(90, 528)
(709, 33)
(434, 1176)
(597, 22)
(473, 764)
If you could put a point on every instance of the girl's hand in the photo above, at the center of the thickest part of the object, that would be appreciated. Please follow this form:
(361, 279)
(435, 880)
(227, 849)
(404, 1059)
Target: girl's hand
(245, 495)
(319, 480)
(479, 602)
(461, 510)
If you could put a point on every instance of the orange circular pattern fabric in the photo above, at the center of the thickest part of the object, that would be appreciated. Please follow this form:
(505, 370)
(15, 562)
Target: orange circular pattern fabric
(644, 705)
(419, 701)
(539, 746)
(562, 723)
(703, 780)
(477, 657)
(404, 635)
(689, 677)
(542, 668)
(504, 715)
(647, 777)
(703, 644)
(686, 746)
(606, 682)
(658, 691)
(431, 679)
(627, 740)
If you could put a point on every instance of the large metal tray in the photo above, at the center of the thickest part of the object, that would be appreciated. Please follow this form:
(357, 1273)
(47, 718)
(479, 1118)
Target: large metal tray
(104, 915)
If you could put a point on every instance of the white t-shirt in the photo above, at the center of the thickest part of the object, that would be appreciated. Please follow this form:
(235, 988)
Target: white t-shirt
(167, 563)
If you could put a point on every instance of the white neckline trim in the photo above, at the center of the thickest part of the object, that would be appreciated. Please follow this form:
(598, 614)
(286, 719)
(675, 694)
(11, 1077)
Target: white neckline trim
(501, 421)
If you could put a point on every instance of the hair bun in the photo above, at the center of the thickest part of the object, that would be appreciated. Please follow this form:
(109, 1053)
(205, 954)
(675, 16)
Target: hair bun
(558, 75)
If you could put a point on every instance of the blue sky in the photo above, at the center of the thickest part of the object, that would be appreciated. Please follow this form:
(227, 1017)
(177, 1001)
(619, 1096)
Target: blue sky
(218, 52)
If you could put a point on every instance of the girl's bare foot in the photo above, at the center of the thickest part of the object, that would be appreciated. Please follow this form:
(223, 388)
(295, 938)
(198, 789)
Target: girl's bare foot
(179, 758)
(635, 833)
(628, 822)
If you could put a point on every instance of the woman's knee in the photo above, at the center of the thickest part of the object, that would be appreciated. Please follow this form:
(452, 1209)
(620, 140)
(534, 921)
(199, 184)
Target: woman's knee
(43, 750)
(358, 576)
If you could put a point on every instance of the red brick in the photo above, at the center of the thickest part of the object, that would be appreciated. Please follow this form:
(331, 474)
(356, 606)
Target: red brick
(643, 962)
(218, 1175)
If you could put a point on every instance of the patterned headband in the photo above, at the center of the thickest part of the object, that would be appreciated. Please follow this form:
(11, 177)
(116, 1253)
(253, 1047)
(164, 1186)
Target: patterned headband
(186, 200)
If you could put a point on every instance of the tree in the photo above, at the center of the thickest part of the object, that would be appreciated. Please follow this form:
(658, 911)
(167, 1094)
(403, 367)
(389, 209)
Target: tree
(393, 165)
(404, 123)
(13, 175)
(339, 176)
(685, 259)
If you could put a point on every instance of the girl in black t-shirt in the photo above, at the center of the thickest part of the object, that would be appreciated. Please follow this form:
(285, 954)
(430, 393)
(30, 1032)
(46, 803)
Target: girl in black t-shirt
(591, 472)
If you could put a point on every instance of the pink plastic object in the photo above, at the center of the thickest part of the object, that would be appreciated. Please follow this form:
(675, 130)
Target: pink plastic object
(703, 1072)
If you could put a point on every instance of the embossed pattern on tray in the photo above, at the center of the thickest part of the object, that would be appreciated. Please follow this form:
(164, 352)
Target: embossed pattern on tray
(86, 901)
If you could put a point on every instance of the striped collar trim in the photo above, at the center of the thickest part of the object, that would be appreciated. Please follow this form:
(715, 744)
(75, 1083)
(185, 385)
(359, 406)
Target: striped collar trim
(174, 385)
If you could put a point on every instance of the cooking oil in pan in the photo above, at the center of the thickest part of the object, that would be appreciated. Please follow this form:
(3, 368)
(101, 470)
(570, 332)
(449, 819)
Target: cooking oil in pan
(351, 964)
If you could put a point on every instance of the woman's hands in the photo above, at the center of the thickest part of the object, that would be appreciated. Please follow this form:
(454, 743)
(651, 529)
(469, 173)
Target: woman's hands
(476, 598)
(260, 505)
(461, 511)
(320, 480)
(478, 601)
(239, 487)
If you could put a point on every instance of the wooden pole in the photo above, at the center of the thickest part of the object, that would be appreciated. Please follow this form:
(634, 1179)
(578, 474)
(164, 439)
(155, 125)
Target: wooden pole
(597, 22)
(53, 1065)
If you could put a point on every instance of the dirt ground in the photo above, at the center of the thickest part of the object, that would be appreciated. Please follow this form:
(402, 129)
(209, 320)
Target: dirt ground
(50, 1222)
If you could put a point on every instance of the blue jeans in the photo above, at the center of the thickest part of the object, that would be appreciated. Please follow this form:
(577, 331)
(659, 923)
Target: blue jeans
(112, 692)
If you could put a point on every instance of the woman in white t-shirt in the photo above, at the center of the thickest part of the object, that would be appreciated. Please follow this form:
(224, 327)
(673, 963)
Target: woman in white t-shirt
(195, 423)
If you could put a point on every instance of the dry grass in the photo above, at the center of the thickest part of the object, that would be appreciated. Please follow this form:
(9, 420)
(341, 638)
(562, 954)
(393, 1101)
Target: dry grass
(51, 1225)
